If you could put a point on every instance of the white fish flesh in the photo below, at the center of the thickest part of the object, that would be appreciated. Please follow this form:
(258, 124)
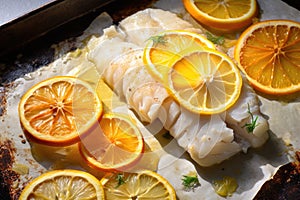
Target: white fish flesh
(133, 84)
(238, 116)
(208, 139)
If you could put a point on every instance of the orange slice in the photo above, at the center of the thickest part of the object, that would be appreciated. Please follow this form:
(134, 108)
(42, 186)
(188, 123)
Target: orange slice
(269, 54)
(63, 184)
(164, 49)
(205, 82)
(223, 15)
(116, 145)
(59, 110)
(142, 185)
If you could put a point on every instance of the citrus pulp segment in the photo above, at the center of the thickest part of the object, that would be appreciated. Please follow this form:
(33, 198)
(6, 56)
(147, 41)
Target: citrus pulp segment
(205, 82)
(223, 15)
(64, 184)
(164, 49)
(142, 185)
(116, 145)
(269, 54)
(59, 110)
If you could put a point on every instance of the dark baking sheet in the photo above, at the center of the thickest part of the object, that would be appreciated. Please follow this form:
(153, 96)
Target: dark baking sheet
(21, 59)
(22, 22)
(31, 53)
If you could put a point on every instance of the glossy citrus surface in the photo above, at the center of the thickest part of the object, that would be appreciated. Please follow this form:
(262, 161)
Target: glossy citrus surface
(59, 110)
(205, 82)
(224, 15)
(64, 184)
(269, 54)
(141, 185)
(164, 49)
(115, 145)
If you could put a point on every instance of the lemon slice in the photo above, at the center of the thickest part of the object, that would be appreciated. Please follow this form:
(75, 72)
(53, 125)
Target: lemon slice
(60, 110)
(142, 185)
(205, 82)
(223, 15)
(268, 53)
(63, 184)
(164, 49)
(116, 145)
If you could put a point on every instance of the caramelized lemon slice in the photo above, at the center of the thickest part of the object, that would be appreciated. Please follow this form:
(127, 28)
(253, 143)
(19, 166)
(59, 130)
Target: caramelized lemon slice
(59, 110)
(269, 54)
(116, 145)
(223, 15)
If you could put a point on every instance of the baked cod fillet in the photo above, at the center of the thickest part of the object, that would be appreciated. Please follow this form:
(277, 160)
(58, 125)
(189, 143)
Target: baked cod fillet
(209, 140)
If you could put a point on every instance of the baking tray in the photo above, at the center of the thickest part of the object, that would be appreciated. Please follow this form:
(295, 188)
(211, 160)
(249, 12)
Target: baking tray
(23, 53)
(21, 24)
(23, 47)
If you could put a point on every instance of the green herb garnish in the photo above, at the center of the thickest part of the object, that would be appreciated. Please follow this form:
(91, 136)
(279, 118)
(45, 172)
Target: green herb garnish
(158, 39)
(190, 182)
(120, 180)
(215, 39)
(251, 126)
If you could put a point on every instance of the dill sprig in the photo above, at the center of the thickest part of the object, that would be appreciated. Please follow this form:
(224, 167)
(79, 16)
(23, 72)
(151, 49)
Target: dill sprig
(253, 124)
(158, 39)
(120, 179)
(190, 182)
(215, 39)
